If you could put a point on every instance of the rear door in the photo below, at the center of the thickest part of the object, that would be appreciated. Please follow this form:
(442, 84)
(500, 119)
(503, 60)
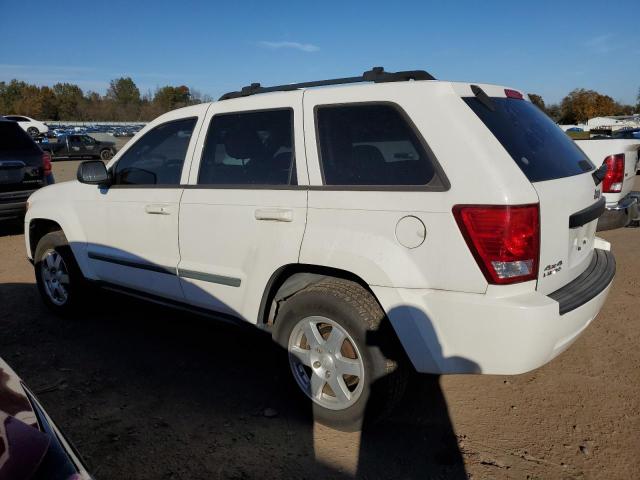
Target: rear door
(561, 175)
(244, 213)
(20, 159)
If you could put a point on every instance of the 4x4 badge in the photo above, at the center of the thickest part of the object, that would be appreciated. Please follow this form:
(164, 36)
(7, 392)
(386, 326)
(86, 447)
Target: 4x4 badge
(552, 268)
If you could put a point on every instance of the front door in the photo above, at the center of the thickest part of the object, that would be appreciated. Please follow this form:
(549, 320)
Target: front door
(244, 213)
(133, 241)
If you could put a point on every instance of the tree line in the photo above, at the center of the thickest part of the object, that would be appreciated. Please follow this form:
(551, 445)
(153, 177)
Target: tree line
(580, 105)
(66, 101)
(124, 102)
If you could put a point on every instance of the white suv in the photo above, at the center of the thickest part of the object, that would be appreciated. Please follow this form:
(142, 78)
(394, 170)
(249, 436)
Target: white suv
(402, 217)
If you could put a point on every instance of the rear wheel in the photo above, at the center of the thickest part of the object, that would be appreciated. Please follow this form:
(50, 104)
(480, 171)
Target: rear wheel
(106, 154)
(338, 361)
(58, 276)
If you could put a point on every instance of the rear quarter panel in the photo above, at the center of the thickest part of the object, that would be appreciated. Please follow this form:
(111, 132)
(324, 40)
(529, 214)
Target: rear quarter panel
(355, 230)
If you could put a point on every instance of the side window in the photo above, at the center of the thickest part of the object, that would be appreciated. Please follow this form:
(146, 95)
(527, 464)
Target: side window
(157, 158)
(252, 148)
(371, 144)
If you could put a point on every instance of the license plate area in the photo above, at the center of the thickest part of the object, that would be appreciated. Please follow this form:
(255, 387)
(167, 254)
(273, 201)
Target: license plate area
(11, 175)
(581, 241)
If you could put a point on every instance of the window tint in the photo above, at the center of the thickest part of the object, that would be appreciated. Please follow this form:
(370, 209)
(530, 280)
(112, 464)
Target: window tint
(157, 158)
(370, 144)
(541, 149)
(253, 148)
(14, 139)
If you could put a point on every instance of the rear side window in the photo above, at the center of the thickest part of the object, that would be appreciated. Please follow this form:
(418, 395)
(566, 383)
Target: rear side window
(371, 144)
(157, 158)
(249, 148)
(14, 139)
(541, 149)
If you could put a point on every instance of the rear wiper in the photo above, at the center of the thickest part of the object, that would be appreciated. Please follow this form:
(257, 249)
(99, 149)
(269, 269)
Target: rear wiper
(483, 98)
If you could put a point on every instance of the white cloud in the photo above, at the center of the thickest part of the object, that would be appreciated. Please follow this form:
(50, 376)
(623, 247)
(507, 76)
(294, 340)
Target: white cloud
(601, 43)
(303, 47)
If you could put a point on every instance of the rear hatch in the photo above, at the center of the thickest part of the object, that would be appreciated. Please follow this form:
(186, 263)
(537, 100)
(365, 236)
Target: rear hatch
(561, 174)
(21, 165)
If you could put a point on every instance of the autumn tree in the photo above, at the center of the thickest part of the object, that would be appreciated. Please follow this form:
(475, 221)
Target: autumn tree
(537, 101)
(169, 97)
(581, 105)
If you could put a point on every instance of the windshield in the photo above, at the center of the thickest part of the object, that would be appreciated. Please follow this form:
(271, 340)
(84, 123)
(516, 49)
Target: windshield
(537, 145)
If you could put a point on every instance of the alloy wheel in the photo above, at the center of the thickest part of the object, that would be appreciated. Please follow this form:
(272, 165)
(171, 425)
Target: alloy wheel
(55, 277)
(326, 363)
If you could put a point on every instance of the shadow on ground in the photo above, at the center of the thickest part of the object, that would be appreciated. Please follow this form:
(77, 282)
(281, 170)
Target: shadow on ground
(152, 393)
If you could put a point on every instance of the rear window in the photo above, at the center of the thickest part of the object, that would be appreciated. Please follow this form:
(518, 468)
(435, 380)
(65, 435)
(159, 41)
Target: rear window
(14, 139)
(372, 144)
(541, 149)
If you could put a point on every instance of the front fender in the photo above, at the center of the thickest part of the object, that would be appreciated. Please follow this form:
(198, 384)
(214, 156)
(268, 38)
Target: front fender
(57, 203)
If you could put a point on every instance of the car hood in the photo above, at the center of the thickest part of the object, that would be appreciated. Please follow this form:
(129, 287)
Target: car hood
(22, 444)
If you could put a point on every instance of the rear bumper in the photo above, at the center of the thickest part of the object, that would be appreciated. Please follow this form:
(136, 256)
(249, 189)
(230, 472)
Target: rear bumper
(14, 204)
(449, 332)
(619, 215)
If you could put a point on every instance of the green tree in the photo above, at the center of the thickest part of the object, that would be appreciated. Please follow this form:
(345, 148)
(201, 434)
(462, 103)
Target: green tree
(124, 91)
(69, 100)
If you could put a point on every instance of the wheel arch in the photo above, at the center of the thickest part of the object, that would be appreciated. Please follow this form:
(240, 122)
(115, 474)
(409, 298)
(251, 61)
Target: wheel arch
(290, 279)
(38, 228)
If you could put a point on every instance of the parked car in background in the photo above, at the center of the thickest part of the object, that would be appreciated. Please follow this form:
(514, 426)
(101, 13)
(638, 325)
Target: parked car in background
(80, 146)
(351, 223)
(621, 157)
(31, 445)
(24, 168)
(29, 125)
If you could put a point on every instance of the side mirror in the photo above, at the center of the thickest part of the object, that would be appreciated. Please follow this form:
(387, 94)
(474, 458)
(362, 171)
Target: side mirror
(93, 172)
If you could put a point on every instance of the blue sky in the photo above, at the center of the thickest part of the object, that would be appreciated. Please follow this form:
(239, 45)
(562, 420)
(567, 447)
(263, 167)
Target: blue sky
(541, 47)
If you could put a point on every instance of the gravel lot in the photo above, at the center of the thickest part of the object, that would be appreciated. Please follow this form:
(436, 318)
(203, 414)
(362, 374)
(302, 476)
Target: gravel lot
(150, 393)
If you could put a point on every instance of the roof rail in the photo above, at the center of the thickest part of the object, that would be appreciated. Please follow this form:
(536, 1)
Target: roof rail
(376, 75)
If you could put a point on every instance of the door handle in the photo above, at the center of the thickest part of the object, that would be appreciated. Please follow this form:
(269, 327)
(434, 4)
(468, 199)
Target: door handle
(274, 214)
(158, 209)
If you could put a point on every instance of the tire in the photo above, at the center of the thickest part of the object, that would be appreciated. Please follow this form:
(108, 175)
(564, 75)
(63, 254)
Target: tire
(33, 131)
(59, 279)
(377, 372)
(106, 154)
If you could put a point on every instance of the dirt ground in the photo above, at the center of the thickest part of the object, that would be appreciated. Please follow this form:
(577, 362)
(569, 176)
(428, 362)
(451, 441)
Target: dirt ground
(150, 393)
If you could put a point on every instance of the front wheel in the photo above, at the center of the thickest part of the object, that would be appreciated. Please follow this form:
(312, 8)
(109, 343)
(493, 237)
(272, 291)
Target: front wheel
(58, 276)
(106, 155)
(33, 131)
(340, 353)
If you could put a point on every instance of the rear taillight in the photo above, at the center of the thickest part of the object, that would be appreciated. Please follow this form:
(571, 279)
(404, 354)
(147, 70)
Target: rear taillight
(614, 177)
(46, 164)
(513, 94)
(505, 240)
